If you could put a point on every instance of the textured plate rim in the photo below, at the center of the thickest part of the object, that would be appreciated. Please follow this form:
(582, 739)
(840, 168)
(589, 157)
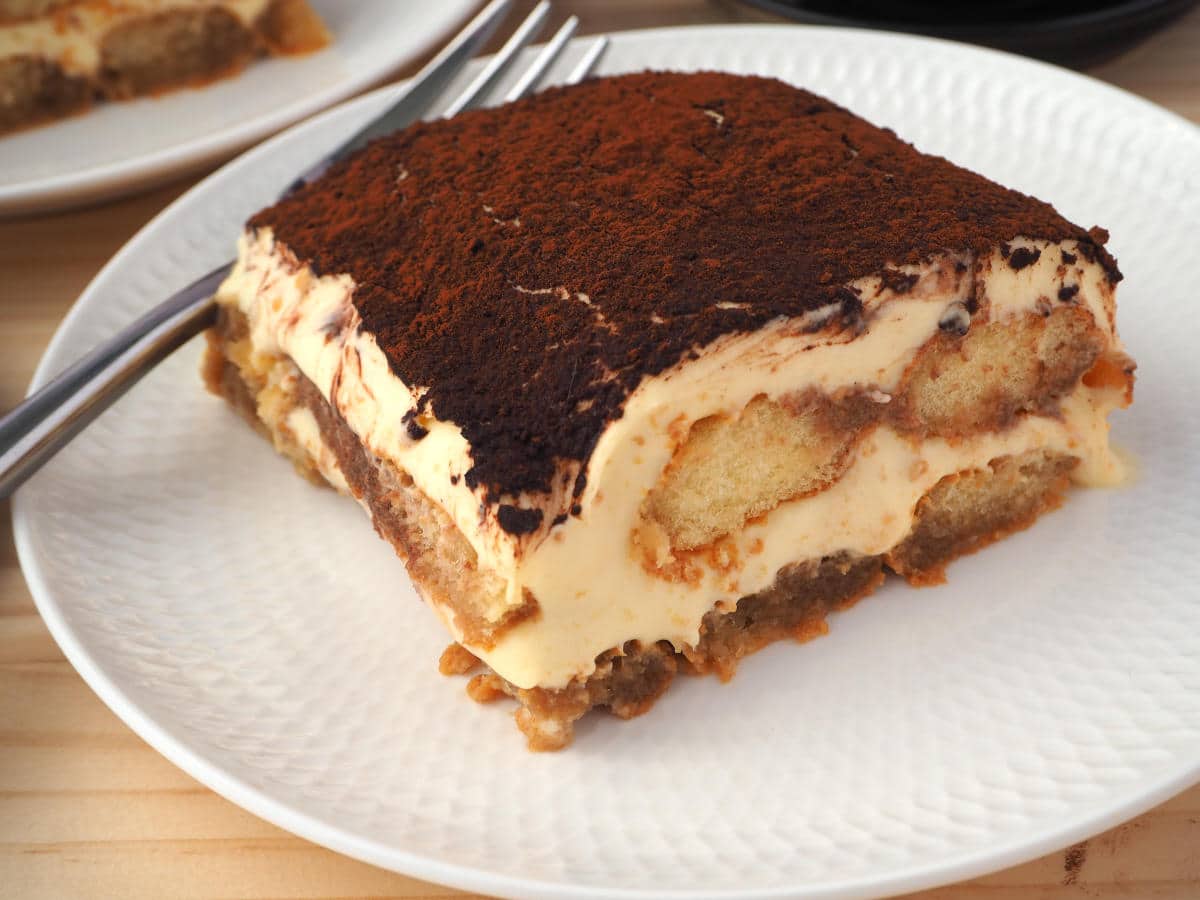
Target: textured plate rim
(53, 191)
(1094, 818)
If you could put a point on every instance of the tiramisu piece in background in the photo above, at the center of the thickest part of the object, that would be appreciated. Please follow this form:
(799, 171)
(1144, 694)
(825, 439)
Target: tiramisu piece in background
(641, 375)
(58, 56)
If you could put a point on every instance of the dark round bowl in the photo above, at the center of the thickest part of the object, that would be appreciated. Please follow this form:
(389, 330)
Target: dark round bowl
(1071, 32)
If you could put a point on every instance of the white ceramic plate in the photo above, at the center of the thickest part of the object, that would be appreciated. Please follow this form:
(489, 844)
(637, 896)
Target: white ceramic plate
(255, 631)
(119, 147)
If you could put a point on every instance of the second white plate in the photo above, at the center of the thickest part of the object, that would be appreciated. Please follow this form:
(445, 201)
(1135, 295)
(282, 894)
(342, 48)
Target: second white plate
(254, 629)
(118, 147)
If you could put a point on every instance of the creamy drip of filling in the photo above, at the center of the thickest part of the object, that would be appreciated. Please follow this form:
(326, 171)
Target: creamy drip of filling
(593, 592)
(72, 37)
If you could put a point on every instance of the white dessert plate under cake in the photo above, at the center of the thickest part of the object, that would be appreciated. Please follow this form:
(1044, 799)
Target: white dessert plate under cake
(116, 148)
(255, 630)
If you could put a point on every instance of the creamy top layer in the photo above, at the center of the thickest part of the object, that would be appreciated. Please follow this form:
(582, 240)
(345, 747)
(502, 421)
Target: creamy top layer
(582, 571)
(528, 266)
(72, 37)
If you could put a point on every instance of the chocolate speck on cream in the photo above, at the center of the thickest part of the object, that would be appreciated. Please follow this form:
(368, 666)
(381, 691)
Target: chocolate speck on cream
(1023, 257)
(542, 258)
(515, 520)
(414, 429)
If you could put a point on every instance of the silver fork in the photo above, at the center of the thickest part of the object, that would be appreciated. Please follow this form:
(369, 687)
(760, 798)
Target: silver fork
(33, 431)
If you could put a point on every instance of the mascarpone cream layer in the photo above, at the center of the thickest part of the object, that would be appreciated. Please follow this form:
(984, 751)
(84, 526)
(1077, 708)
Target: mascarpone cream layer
(591, 587)
(72, 37)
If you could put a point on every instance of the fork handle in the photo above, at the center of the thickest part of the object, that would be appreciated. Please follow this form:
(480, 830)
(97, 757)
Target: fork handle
(37, 428)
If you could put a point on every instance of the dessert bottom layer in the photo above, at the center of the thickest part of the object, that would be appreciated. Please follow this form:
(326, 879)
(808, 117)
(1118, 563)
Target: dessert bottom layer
(961, 513)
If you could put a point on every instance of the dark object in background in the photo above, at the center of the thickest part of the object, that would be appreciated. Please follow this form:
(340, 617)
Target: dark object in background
(1069, 32)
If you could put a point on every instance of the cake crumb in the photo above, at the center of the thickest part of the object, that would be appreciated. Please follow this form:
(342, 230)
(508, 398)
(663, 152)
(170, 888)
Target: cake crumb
(457, 660)
(485, 688)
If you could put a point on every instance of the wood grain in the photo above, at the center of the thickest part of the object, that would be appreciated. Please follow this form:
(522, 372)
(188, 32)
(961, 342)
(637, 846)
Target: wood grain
(87, 809)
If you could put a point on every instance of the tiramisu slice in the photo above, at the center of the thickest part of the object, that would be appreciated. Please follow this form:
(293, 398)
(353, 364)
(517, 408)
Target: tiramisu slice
(58, 56)
(641, 375)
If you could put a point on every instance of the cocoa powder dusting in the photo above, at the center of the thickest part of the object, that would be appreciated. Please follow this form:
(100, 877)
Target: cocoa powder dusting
(528, 266)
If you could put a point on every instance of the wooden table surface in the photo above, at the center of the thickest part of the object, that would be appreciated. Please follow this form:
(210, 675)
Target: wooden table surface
(87, 809)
